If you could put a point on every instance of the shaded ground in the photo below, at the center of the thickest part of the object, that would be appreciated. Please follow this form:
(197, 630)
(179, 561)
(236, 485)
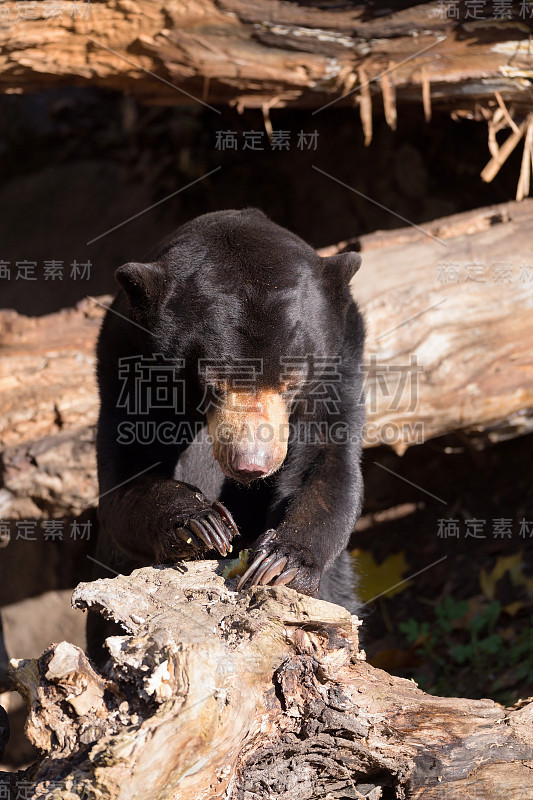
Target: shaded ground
(469, 609)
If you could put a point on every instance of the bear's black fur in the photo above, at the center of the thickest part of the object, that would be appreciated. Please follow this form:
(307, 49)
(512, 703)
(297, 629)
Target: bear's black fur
(238, 328)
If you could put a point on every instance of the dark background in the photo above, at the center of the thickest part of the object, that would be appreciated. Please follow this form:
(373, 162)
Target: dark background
(74, 163)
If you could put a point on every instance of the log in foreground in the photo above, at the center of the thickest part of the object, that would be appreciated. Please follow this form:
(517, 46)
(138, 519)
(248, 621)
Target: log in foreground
(450, 335)
(274, 55)
(217, 694)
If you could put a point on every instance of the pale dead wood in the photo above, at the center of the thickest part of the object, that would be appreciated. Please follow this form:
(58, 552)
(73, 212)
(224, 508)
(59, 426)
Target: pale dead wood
(502, 154)
(426, 95)
(48, 411)
(216, 694)
(510, 121)
(365, 105)
(527, 156)
(245, 53)
(470, 339)
(389, 97)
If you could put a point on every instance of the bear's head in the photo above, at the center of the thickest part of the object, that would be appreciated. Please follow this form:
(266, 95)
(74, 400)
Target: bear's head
(248, 307)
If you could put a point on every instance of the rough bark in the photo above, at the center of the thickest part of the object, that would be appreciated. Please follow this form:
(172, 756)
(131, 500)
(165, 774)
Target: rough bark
(48, 411)
(216, 694)
(441, 357)
(469, 340)
(274, 53)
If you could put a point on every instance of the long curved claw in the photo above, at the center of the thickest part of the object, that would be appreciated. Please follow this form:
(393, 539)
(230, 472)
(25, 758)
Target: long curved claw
(286, 577)
(222, 533)
(218, 540)
(272, 571)
(264, 567)
(188, 537)
(251, 569)
(264, 539)
(226, 516)
(200, 530)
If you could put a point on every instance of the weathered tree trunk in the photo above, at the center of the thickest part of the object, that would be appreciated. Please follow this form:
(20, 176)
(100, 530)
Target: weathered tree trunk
(271, 53)
(48, 409)
(216, 694)
(449, 317)
(441, 356)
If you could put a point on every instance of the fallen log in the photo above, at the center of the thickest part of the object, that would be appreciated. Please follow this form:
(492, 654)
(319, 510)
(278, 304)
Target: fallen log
(48, 412)
(449, 327)
(211, 693)
(450, 334)
(265, 54)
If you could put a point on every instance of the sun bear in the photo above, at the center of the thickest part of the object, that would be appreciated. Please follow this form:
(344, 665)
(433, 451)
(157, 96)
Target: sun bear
(231, 408)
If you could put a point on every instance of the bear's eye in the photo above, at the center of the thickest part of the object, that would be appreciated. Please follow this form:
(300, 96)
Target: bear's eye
(218, 390)
(289, 394)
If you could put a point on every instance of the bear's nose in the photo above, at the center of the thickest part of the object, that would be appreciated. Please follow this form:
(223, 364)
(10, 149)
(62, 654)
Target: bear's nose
(247, 466)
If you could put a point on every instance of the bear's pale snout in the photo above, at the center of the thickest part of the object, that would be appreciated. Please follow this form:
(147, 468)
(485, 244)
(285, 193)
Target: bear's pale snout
(250, 433)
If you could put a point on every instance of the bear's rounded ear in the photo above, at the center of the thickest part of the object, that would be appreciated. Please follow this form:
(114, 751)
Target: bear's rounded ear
(343, 265)
(141, 282)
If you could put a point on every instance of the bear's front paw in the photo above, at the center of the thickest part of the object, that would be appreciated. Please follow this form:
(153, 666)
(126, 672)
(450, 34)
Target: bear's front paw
(279, 564)
(211, 529)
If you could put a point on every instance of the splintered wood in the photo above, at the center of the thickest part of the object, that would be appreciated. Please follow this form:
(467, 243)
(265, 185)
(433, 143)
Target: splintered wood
(216, 695)
(498, 120)
(233, 51)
